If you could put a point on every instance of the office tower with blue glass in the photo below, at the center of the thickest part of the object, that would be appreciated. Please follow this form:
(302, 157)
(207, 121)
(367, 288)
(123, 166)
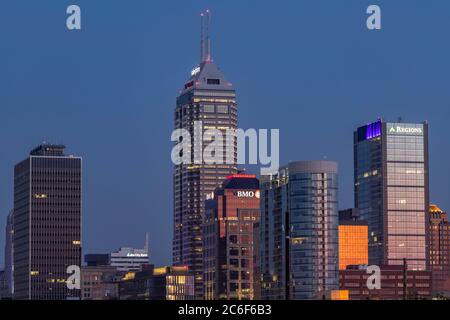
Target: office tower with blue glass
(299, 231)
(392, 191)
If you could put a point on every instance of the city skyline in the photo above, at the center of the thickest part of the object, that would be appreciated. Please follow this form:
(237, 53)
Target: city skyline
(145, 107)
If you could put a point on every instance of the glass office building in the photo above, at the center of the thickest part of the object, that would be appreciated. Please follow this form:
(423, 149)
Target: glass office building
(392, 192)
(299, 231)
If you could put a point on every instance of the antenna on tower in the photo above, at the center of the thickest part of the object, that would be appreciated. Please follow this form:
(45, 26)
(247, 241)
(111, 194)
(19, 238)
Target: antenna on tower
(208, 38)
(202, 36)
(146, 245)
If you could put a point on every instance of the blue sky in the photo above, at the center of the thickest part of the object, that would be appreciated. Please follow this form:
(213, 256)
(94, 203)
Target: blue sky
(310, 68)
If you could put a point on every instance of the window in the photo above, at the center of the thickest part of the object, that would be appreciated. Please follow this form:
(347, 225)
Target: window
(213, 81)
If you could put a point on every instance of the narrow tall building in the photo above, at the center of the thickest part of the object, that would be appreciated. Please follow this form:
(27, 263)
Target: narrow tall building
(9, 264)
(440, 249)
(47, 223)
(299, 231)
(230, 238)
(392, 191)
(207, 101)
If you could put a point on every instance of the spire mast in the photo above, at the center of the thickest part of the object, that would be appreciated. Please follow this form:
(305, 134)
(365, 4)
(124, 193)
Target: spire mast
(208, 38)
(146, 245)
(202, 36)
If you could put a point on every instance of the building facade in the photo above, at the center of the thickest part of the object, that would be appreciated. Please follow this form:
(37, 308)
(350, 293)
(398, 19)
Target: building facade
(353, 240)
(392, 191)
(99, 283)
(9, 254)
(164, 283)
(396, 283)
(4, 290)
(47, 223)
(129, 259)
(299, 231)
(230, 238)
(96, 259)
(206, 102)
(440, 250)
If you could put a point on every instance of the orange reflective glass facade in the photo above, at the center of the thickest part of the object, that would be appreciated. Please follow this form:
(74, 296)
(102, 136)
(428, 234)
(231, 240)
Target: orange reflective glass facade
(353, 245)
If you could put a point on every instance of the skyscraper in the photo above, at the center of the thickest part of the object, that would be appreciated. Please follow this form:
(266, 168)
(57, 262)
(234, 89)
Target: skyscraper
(47, 223)
(230, 239)
(208, 100)
(299, 231)
(392, 192)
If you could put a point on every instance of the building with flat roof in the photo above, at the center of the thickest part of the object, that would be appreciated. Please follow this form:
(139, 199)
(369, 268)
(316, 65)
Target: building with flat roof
(353, 239)
(96, 259)
(130, 259)
(396, 283)
(392, 191)
(230, 236)
(46, 223)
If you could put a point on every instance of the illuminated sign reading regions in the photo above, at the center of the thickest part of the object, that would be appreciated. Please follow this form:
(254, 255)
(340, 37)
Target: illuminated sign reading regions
(398, 128)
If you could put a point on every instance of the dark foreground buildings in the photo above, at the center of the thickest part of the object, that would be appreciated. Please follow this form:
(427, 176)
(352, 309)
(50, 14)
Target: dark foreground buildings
(299, 231)
(396, 283)
(164, 283)
(47, 223)
(230, 238)
(392, 191)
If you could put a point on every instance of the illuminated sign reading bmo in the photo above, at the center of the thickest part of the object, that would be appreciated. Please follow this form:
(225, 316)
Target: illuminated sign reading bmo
(247, 194)
(395, 128)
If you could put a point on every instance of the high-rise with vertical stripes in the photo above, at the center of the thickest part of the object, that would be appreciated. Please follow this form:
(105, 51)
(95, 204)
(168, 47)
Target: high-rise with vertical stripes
(207, 102)
(46, 224)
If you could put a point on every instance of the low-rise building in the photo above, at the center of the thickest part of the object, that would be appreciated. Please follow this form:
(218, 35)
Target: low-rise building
(396, 283)
(164, 283)
(99, 283)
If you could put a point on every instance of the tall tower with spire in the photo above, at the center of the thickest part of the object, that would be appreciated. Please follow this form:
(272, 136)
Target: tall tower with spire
(207, 97)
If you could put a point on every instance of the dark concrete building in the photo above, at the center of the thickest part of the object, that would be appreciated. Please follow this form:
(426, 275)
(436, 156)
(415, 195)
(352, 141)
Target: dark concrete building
(9, 264)
(47, 223)
(207, 102)
(96, 259)
(392, 191)
(230, 240)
